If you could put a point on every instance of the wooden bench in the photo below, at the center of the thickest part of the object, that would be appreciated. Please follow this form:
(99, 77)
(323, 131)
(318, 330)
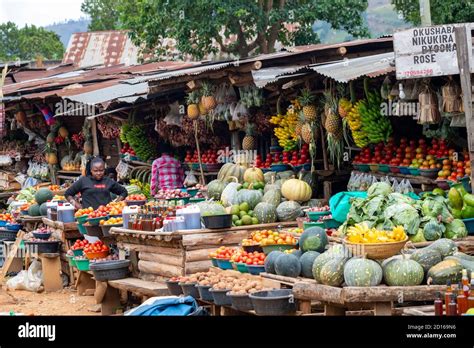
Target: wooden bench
(108, 293)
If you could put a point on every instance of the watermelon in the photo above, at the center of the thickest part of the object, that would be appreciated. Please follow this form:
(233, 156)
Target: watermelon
(265, 213)
(445, 271)
(404, 272)
(427, 258)
(43, 209)
(307, 260)
(252, 197)
(287, 265)
(297, 253)
(43, 195)
(270, 261)
(332, 272)
(272, 197)
(313, 239)
(288, 211)
(34, 210)
(362, 272)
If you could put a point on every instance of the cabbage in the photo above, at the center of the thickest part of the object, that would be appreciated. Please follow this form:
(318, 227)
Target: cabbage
(404, 214)
(455, 229)
(379, 188)
(418, 237)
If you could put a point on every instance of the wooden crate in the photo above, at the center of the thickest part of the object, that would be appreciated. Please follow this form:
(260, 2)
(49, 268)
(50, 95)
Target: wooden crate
(161, 255)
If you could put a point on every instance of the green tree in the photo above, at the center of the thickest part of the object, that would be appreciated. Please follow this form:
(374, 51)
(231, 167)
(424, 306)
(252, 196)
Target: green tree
(28, 43)
(442, 11)
(199, 26)
(103, 13)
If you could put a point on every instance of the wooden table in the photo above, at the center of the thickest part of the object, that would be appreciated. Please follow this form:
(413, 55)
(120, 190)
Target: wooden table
(380, 299)
(30, 223)
(159, 255)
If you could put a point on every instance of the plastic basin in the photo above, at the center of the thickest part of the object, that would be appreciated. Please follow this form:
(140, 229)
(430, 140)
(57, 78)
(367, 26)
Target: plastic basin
(78, 252)
(267, 249)
(394, 169)
(220, 297)
(2, 223)
(469, 225)
(273, 302)
(315, 215)
(13, 227)
(279, 167)
(110, 270)
(81, 228)
(256, 269)
(374, 167)
(404, 170)
(331, 223)
(224, 264)
(241, 267)
(190, 289)
(96, 221)
(429, 173)
(142, 202)
(252, 248)
(71, 260)
(364, 167)
(99, 255)
(218, 221)
(42, 235)
(174, 288)
(414, 171)
(192, 192)
(6, 235)
(94, 231)
(384, 168)
(106, 229)
(43, 247)
(240, 302)
(204, 292)
(307, 225)
(82, 264)
(214, 262)
(82, 219)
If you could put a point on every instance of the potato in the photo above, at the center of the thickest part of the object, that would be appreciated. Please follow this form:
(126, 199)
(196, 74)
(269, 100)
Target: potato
(251, 291)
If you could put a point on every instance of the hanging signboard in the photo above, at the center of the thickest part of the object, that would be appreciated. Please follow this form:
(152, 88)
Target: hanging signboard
(428, 51)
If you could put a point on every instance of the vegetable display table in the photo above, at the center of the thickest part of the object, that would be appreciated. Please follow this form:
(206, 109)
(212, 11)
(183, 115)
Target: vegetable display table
(30, 223)
(380, 299)
(159, 255)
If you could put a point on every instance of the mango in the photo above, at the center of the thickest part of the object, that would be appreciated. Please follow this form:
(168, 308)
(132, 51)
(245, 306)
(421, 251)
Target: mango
(455, 198)
(468, 199)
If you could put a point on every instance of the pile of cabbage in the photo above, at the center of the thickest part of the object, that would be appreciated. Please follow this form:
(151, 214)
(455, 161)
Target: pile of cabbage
(428, 218)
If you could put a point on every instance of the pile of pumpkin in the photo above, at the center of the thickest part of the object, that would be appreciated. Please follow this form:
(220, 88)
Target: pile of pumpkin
(438, 263)
(279, 200)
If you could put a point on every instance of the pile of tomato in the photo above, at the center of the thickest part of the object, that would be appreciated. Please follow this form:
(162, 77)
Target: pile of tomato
(80, 244)
(96, 247)
(84, 211)
(222, 252)
(255, 258)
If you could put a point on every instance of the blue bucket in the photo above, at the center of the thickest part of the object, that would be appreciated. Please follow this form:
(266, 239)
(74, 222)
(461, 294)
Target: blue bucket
(469, 225)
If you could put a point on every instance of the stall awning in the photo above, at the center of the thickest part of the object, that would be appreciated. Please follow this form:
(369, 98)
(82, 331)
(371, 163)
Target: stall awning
(350, 69)
(263, 77)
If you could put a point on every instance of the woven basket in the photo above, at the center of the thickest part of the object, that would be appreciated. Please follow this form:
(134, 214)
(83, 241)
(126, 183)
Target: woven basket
(375, 250)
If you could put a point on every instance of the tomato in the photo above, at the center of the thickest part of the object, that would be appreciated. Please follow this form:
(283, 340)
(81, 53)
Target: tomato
(262, 257)
(248, 262)
(261, 262)
(255, 263)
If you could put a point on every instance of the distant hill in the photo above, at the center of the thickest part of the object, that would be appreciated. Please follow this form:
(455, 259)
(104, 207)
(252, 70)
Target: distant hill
(66, 29)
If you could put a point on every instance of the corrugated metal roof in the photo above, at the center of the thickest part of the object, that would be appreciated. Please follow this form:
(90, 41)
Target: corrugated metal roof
(111, 93)
(350, 69)
(263, 77)
(317, 47)
(101, 48)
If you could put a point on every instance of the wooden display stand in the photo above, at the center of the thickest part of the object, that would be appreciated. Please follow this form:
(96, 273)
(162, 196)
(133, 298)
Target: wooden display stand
(157, 256)
(85, 284)
(30, 223)
(51, 266)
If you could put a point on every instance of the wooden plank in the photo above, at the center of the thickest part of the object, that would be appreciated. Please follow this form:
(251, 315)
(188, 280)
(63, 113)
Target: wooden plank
(462, 50)
(211, 247)
(51, 267)
(331, 310)
(198, 255)
(11, 255)
(152, 277)
(175, 260)
(383, 308)
(160, 269)
(313, 291)
(391, 293)
(197, 266)
(139, 240)
(279, 278)
(220, 238)
(151, 249)
(140, 287)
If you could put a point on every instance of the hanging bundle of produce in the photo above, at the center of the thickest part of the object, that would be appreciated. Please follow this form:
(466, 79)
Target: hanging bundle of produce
(251, 96)
(137, 138)
(451, 97)
(192, 100)
(306, 100)
(285, 126)
(377, 127)
(109, 127)
(78, 139)
(429, 111)
(262, 123)
(207, 96)
(334, 127)
(355, 124)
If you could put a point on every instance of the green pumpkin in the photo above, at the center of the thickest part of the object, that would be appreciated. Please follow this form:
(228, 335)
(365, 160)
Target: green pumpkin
(272, 197)
(215, 189)
(229, 194)
(252, 197)
(332, 272)
(288, 211)
(336, 251)
(445, 246)
(270, 261)
(362, 272)
(307, 261)
(230, 170)
(403, 272)
(466, 264)
(445, 271)
(265, 213)
(426, 257)
(288, 265)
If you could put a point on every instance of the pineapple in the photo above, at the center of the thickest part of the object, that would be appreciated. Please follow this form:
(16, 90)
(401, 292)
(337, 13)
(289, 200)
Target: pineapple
(208, 100)
(299, 124)
(193, 108)
(344, 106)
(307, 101)
(248, 143)
(306, 133)
(333, 122)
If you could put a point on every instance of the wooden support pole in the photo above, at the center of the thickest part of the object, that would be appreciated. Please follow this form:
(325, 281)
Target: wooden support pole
(465, 75)
(95, 142)
(203, 181)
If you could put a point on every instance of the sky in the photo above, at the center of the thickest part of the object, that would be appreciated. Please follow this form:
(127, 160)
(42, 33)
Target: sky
(39, 12)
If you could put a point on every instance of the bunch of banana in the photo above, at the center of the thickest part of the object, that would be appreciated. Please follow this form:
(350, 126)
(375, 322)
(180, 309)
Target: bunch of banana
(355, 124)
(285, 128)
(377, 127)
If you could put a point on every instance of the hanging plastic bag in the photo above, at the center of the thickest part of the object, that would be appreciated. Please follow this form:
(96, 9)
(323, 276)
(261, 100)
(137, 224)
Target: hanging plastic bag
(395, 185)
(190, 179)
(30, 280)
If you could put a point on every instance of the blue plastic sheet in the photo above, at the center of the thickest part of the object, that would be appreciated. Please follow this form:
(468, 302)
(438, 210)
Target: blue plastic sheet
(168, 306)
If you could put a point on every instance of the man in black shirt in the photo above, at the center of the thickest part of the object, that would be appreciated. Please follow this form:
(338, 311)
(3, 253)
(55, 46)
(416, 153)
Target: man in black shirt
(95, 188)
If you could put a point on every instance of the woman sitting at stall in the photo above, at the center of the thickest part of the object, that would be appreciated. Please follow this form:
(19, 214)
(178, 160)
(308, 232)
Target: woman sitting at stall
(95, 188)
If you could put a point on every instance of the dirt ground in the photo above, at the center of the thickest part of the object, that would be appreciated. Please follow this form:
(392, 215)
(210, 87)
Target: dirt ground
(64, 302)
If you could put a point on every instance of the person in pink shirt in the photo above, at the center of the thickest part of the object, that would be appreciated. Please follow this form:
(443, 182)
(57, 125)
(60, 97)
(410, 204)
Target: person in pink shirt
(166, 172)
